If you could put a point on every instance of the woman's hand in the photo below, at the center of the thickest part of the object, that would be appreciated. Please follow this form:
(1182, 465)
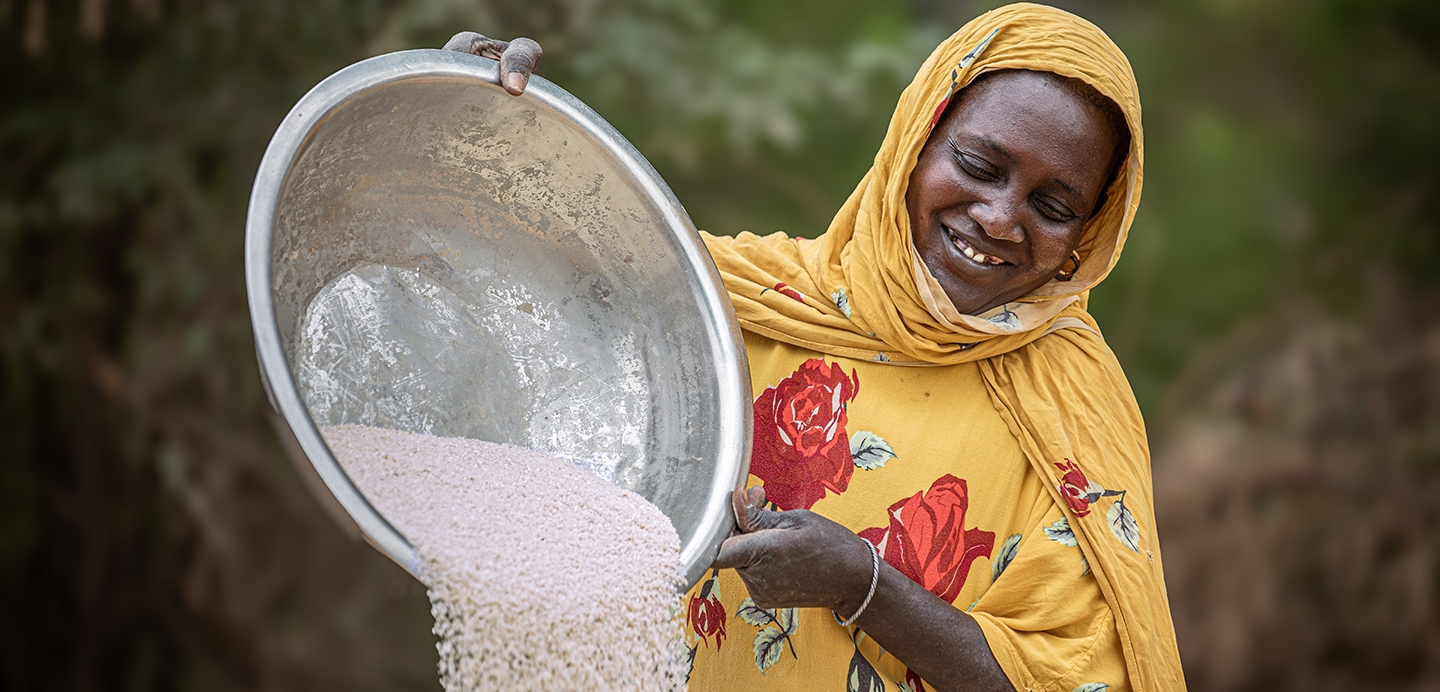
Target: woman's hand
(799, 559)
(517, 58)
(796, 559)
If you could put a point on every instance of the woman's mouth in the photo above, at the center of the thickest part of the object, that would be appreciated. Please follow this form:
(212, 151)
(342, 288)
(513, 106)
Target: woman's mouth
(971, 253)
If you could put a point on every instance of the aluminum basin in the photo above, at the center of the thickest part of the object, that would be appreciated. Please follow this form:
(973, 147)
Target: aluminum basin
(425, 252)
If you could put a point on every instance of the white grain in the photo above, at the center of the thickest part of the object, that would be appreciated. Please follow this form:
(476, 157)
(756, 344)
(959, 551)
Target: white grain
(541, 576)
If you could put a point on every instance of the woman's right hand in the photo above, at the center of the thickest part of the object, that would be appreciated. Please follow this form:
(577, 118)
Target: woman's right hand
(517, 58)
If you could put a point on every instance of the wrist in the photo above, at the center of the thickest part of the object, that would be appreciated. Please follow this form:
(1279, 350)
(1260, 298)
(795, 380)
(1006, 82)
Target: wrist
(862, 579)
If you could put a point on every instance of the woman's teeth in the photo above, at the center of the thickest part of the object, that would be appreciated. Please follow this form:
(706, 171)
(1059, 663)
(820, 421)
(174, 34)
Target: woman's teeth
(970, 252)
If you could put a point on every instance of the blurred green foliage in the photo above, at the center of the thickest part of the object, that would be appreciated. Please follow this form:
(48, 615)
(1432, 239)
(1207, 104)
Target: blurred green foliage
(152, 532)
(1288, 169)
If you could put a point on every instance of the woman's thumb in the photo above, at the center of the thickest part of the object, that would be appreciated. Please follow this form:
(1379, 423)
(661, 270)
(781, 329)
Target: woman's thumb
(750, 512)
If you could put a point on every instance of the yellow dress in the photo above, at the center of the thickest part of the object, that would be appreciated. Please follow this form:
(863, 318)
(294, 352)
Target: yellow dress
(919, 462)
(1009, 439)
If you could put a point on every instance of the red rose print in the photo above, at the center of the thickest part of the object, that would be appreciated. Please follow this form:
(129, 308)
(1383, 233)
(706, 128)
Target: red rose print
(1077, 490)
(913, 680)
(927, 540)
(939, 111)
(801, 448)
(706, 616)
(787, 290)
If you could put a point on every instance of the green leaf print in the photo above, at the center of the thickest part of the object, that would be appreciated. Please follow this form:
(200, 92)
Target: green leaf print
(1123, 525)
(769, 644)
(787, 619)
(862, 677)
(754, 615)
(870, 450)
(1004, 556)
(1092, 687)
(1061, 533)
(769, 641)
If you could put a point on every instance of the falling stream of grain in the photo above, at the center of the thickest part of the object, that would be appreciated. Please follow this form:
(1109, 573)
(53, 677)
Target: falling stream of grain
(541, 576)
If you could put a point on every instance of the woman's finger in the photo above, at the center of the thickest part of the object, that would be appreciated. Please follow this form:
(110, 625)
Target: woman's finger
(757, 496)
(739, 552)
(475, 44)
(750, 512)
(517, 62)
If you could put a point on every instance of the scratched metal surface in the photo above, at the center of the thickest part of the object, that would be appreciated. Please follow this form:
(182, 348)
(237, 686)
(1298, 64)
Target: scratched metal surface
(447, 259)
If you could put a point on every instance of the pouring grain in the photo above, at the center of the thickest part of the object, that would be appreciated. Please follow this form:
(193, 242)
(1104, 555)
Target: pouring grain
(541, 576)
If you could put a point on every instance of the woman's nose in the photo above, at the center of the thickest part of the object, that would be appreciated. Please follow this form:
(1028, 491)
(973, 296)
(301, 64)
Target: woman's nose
(998, 219)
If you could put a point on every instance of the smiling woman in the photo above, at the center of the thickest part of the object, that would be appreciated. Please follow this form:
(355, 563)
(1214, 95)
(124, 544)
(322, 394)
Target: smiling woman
(981, 520)
(1015, 168)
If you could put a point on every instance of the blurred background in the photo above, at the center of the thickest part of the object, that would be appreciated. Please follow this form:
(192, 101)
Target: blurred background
(1277, 311)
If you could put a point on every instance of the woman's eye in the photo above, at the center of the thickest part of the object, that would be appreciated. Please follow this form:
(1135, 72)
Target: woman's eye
(1053, 211)
(977, 169)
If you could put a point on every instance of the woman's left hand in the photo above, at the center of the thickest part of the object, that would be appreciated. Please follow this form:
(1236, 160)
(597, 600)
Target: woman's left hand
(517, 58)
(796, 559)
(799, 559)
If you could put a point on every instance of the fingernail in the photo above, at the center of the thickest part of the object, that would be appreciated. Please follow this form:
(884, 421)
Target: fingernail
(514, 82)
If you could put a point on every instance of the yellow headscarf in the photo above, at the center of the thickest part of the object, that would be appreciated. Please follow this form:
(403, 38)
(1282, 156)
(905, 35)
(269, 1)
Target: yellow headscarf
(861, 291)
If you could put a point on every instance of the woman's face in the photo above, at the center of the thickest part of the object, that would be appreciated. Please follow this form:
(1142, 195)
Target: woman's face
(1004, 186)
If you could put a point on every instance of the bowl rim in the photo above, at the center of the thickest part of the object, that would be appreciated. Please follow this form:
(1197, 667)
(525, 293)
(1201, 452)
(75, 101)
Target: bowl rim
(722, 330)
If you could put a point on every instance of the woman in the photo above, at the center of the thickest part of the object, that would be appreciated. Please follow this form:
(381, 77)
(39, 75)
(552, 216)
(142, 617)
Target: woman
(981, 519)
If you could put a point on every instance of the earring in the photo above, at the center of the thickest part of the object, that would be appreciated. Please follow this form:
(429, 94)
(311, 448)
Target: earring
(1073, 264)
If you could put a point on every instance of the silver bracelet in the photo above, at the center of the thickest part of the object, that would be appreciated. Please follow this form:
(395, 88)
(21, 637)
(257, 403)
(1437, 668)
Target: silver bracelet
(874, 580)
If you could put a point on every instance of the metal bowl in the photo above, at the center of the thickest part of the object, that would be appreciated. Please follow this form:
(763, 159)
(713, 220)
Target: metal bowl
(425, 252)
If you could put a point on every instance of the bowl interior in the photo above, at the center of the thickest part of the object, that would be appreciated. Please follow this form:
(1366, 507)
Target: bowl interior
(451, 260)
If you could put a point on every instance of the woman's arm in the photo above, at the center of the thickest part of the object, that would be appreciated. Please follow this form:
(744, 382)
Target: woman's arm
(799, 559)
